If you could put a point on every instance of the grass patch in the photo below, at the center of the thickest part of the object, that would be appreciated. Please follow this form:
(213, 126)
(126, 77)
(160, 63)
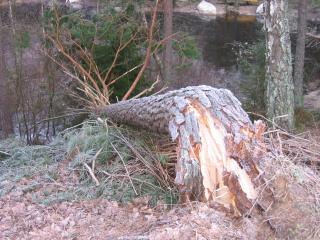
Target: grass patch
(105, 161)
(26, 161)
(123, 162)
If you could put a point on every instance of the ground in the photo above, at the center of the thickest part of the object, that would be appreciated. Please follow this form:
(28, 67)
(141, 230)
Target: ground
(42, 196)
(22, 218)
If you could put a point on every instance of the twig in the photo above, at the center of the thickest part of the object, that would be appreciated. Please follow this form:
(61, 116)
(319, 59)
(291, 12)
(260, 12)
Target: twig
(92, 174)
(313, 36)
(268, 120)
(125, 166)
(5, 153)
(120, 48)
(148, 89)
(124, 74)
(95, 95)
(160, 91)
(151, 170)
(131, 178)
(94, 159)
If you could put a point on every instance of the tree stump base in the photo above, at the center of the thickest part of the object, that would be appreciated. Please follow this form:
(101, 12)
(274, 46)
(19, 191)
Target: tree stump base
(217, 145)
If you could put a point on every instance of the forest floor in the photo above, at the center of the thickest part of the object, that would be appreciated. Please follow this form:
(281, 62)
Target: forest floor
(38, 200)
(22, 218)
(41, 197)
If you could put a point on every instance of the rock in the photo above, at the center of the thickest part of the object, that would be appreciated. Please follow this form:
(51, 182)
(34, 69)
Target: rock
(118, 9)
(206, 8)
(312, 100)
(260, 9)
(314, 85)
(74, 4)
(260, 12)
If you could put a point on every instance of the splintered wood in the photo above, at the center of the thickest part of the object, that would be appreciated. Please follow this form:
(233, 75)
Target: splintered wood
(217, 145)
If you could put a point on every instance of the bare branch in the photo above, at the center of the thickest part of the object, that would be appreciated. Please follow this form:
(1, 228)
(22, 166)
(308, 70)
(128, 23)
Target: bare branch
(316, 36)
(148, 54)
(5, 153)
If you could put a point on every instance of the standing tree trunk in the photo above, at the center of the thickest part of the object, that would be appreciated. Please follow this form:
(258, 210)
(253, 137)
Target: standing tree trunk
(217, 145)
(6, 100)
(279, 94)
(300, 53)
(20, 85)
(236, 4)
(167, 56)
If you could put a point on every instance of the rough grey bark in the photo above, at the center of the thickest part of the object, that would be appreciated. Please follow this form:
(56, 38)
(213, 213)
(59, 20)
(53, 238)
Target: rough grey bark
(217, 144)
(300, 53)
(168, 55)
(279, 93)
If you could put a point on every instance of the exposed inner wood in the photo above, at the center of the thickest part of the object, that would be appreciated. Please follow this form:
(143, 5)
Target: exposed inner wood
(217, 146)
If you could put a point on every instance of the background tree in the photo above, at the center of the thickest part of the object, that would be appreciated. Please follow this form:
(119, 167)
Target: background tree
(167, 58)
(279, 93)
(6, 114)
(300, 53)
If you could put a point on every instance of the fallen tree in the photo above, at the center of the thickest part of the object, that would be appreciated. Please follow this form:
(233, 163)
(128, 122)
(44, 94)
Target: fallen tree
(217, 145)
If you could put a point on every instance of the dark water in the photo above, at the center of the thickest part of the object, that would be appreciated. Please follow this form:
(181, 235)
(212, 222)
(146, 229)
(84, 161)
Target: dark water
(218, 64)
(215, 37)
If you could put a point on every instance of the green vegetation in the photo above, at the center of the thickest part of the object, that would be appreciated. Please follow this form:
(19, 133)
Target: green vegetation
(113, 42)
(26, 161)
(108, 48)
(315, 3)
(186, 47)
(23, 40)
(121, 159)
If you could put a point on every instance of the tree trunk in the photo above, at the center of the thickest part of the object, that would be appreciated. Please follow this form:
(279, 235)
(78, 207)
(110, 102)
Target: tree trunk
(236, 4)
(217, 145)
(6, 100)
(279, 94)
(167, 57)
(300, 53)
(20, 83)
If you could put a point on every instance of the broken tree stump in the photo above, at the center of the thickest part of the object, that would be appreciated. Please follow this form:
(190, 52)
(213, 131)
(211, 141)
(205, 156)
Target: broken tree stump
(217, 144)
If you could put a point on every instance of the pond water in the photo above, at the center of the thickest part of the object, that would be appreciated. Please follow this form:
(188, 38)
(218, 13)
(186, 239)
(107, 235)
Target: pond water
(217, 65)
(215, 38)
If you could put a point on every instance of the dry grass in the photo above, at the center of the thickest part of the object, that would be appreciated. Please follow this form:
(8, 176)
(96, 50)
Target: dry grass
(121, 162)
(290, 169)
(128, 165)
(291, 172)
(97, 160)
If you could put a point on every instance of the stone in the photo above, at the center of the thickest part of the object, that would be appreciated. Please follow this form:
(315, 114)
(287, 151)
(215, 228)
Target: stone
(206, 8)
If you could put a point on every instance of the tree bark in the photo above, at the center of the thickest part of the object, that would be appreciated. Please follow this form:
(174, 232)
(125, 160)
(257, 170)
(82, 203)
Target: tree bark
(6, 101)
(168, 55)
(279, 93)
(300, 53)
(216, 143)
